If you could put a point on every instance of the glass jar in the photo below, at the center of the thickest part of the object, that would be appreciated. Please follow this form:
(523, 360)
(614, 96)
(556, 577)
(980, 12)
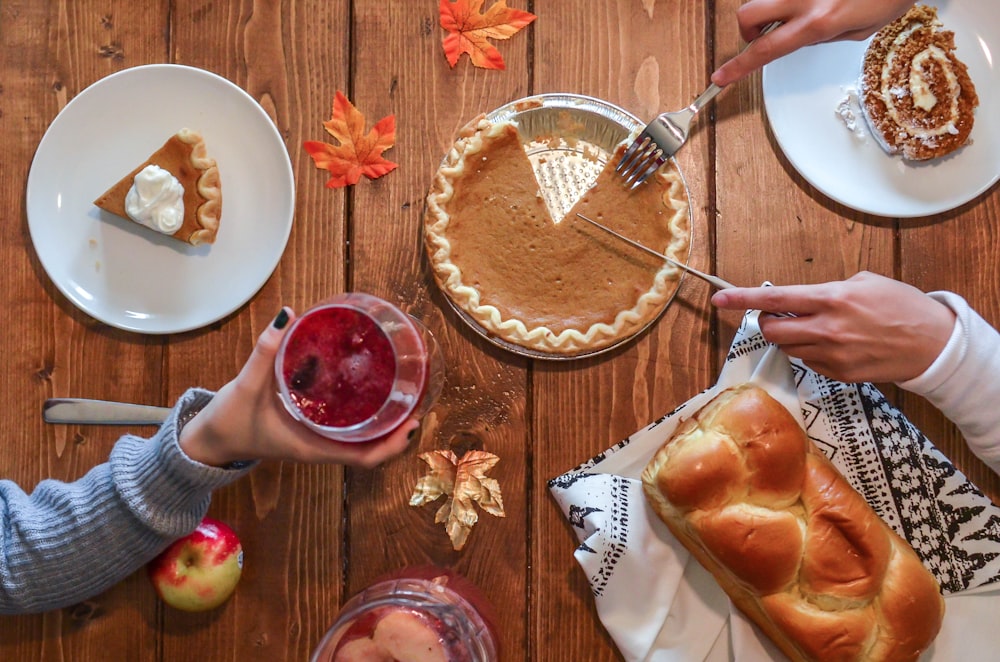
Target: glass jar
(420, 615)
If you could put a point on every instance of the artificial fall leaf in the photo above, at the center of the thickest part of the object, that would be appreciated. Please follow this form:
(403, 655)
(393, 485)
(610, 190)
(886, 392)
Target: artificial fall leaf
(468, 30)
(355, 154)
(464, 482)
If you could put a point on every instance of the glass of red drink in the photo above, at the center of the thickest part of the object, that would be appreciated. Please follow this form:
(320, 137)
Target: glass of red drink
(420, 614)
(355, 367)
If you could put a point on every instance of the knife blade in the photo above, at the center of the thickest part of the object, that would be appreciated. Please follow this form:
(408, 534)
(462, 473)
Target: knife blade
(715, 281)
(712, 280)
(101, 412)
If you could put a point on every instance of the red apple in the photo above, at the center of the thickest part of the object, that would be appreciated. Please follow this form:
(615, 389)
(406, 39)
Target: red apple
(199, 571)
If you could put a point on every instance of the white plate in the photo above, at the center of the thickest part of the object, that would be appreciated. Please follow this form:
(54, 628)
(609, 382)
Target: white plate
(801, 93)
(125, 275)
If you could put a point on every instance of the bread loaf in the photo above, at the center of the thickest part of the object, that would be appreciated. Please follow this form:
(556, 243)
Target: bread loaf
(795, 547)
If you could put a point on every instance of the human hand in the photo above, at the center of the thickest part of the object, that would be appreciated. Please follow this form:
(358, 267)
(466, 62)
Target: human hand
(866, 328)
(246, 421)
(804, 22)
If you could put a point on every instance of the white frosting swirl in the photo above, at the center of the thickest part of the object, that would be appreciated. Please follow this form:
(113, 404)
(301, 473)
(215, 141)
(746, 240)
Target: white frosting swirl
(918, 88)
(156, 200)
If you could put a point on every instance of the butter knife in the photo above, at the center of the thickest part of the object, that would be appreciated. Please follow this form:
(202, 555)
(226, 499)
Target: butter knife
(715, 281)
(101, 412)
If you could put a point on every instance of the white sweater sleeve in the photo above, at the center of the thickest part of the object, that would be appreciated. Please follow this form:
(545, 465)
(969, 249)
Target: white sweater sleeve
(964, 381)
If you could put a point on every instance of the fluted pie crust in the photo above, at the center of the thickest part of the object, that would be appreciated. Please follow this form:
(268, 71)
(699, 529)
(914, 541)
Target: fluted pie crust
(185, 156)
(561, 288)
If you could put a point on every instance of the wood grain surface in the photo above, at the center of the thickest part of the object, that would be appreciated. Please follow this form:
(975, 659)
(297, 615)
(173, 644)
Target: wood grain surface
(314, 536)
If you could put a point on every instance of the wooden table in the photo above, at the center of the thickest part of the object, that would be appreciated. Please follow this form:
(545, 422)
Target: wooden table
(316, 535)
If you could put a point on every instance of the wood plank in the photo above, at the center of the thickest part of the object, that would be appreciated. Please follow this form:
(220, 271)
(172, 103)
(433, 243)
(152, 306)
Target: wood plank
(399, 67)
(288, 516)
(772, 224)
(50, 51)
(647, 58)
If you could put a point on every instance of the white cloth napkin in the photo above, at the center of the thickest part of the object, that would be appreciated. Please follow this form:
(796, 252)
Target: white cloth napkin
(659, 604)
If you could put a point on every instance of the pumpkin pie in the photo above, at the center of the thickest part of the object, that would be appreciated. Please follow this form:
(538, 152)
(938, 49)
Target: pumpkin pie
(557, 286)
(915, 93)
(184, 158)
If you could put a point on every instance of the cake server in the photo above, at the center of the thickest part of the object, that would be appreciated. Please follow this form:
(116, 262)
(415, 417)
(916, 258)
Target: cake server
(710, 279)
(101, 412)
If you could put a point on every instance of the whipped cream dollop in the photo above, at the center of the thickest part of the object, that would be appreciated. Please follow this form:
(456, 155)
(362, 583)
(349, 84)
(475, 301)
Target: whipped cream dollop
(156, 200)
(849, 111)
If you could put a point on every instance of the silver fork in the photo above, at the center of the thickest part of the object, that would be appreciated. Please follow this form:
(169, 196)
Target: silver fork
(666, 134)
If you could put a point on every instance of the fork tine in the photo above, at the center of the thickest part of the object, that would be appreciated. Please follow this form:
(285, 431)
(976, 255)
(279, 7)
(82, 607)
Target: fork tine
(639, 160)
(643, 166)
(653, 165)
(634, 151)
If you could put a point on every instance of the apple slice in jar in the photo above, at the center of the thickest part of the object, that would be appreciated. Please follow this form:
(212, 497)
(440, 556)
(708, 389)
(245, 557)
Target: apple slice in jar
(399, 634)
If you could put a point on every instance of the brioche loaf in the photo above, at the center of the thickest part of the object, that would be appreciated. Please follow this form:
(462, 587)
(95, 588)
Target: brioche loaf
(915, 93)
(795, 547)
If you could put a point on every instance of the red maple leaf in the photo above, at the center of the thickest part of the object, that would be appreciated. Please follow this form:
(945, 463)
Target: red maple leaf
(468, 30)
(355, 154)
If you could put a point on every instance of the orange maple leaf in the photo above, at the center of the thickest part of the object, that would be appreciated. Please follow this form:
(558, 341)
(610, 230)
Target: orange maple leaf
(355, 154)
(468, 30)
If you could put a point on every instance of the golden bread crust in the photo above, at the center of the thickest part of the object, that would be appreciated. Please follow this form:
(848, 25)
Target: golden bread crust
(798, 550)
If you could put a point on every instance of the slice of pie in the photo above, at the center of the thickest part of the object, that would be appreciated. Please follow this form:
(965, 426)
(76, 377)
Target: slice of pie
(915, 93)
(561, 288)
(178, 191)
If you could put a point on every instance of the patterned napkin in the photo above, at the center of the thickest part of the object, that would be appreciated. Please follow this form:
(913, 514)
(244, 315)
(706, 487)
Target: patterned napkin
(659, 604)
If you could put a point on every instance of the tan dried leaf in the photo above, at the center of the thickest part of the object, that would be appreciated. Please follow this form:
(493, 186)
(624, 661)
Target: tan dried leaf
(465, 483)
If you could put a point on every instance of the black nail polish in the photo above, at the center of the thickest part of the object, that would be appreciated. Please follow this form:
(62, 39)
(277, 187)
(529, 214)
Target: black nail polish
(281, 320)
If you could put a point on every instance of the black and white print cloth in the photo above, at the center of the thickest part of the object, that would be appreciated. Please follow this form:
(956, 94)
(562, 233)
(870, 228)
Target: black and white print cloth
(952, 525)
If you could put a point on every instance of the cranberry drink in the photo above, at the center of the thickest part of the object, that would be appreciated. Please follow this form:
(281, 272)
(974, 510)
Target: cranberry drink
(353, 369)
(339, 367)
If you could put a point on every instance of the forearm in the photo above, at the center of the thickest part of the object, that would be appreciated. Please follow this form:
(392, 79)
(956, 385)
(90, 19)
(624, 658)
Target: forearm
(68, 541)
(964, 381)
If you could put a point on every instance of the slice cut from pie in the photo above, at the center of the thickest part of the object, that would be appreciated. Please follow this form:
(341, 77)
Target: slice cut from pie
(558, 286)
(916, 94)
(185, 157)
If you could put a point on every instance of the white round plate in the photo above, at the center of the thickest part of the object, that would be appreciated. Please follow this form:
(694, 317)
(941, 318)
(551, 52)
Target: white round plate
(801, 94)
(131, 277)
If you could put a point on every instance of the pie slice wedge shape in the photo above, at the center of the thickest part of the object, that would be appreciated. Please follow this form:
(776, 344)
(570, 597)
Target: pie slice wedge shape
(560, 288)
(185, 157)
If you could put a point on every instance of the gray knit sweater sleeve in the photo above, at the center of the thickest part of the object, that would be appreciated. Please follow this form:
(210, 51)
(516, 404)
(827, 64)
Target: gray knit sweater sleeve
(66, 542)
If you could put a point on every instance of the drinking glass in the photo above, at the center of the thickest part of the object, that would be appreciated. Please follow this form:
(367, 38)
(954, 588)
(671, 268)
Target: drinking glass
(355, 367)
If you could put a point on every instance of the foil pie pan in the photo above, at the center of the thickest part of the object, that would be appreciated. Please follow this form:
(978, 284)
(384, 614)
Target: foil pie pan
(569, 139)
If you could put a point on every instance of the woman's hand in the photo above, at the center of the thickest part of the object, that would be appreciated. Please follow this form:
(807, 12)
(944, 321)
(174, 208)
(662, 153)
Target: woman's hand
(866, 328)
(246, 421)
(805, 22)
